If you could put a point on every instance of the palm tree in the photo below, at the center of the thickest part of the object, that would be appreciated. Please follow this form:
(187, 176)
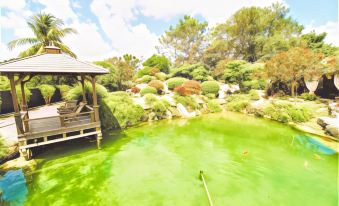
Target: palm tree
(48, 31)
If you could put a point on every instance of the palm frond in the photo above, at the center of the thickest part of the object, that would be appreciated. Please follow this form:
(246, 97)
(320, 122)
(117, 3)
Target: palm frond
(65, 49)
(22, 41)
(30, 51)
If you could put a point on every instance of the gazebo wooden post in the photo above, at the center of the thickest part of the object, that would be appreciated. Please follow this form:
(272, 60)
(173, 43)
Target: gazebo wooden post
(17, 116)
(23, 95)
(96, 110)
(84, 99)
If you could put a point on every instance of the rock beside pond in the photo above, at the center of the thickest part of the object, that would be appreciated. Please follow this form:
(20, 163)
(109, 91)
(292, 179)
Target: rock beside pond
(333, 130)
(330, 125)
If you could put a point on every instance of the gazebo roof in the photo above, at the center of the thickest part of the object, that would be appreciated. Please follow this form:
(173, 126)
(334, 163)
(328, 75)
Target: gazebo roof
(49, 63)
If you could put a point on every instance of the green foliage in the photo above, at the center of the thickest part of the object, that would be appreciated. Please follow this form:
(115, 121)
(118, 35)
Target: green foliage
(210, 96)
(28, 94)
(76, 92)
(108, 80)
(4, 83)
(176, 81)
(191, 71)
(308, 96)
(254, 95)
(160, 62)
(64, 89)
(3, 148)
(161, 76)
(148, 90)
(151, 71)
(255, 32)
(316, 43)
(210, 87)
(47, 30)
(47, 92)
(187, 101)
(185, 41)
(286, 112)
(150, 99)
(213, 106)
(237, 102)
(118, 110)
(243, 73)
(159, 108)
(145, 79)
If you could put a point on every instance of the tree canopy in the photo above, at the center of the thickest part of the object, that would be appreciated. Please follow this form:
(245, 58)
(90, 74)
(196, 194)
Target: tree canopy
(184, 42)
(157, 61)
(48, 31)
(251, 33)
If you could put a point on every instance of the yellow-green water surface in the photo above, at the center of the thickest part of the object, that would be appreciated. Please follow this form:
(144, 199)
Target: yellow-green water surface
(246, 161)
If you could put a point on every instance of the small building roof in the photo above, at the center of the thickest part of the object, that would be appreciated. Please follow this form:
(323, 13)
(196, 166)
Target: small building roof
(50, 64)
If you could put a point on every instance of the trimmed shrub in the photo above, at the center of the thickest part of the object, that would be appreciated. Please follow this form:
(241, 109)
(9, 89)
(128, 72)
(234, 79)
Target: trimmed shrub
(213, 106)
(28, 94)
(210, 96)
(145, 79)
(210, 87)
(161, 76)
(47, 92)
(308, 96)
(64, 89)
(157, 84)
(135, 90)
(148, 90)
(76, 92)
(192, 87)
(159, 108)
(191, 71)
(117, 110)
(254, 95)
(150, 99)
(187, 101)
(150, 71)
(174, 82)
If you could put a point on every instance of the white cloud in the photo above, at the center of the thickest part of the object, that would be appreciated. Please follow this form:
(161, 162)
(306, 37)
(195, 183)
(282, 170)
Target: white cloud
(115, 20)
(213, 10)
(59, 8)
(16, 5)
(88, 43)
(331, 28)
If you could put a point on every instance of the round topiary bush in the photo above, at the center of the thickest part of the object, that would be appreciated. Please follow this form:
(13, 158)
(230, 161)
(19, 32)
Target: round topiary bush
(161, 76)
(148, 90)
(157, 84)
(192, 87)
(176, 81)
(210, 87)
(180, 90)
(150, 98)
(254, 95)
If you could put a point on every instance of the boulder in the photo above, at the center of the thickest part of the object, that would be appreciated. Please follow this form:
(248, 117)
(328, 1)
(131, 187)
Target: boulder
(324, 121)
(333, 130)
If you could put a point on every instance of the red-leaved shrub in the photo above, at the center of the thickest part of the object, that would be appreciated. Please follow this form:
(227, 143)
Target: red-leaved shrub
(192, 87)
(135, 90)
(182, 91)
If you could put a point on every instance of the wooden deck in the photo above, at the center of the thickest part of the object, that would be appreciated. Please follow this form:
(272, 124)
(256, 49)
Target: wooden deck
(47, 130)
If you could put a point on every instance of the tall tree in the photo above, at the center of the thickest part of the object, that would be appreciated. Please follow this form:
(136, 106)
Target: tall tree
(48, 31)
(252, 32)
(185, 42)
(316, 43)
(293, 65)
(123, 70)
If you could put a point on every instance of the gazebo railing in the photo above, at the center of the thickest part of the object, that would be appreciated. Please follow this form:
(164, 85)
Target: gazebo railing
(56, 121)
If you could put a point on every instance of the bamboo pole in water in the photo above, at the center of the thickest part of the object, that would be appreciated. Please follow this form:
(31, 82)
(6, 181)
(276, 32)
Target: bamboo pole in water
(205, 185)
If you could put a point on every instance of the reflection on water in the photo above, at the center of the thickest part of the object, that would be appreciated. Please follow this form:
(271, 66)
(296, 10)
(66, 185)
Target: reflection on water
(314, 145)
(13, 188)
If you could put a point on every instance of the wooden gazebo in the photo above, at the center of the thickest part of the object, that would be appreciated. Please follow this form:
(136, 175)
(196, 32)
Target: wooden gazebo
(57, 128)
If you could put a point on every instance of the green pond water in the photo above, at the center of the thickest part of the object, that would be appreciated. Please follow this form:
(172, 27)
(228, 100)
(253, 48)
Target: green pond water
(246, 161)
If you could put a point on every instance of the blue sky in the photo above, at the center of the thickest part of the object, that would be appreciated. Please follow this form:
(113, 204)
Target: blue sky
(106, 28)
